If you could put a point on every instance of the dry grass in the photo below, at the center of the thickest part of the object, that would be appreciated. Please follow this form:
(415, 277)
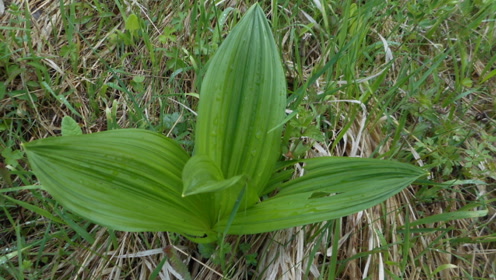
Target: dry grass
(88, 72)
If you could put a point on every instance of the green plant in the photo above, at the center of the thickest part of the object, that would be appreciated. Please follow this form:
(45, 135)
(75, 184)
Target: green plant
(138, 180)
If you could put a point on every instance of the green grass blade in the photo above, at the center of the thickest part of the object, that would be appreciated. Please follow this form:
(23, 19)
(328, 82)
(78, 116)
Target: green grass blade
(35, 209)
(445, 217)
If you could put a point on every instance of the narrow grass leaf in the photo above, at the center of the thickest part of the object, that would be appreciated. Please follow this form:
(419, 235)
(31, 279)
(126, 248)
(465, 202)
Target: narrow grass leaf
(79, 229)
(36, 209)
(445, 217)
(443, 267)
(61, 98)
(488, 76)
(14, 189)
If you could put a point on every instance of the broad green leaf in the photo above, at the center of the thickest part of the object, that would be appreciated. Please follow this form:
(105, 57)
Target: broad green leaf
(201, 175)
(70, 127)
(331, 187)
(132, 23)
(11, 157)
(242, 100)
(127, 179)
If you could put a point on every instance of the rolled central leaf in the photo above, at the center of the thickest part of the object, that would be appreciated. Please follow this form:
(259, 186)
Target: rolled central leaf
(242, 102)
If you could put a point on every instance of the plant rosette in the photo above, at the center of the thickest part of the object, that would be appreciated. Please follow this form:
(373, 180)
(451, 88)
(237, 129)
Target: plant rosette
(139, 180)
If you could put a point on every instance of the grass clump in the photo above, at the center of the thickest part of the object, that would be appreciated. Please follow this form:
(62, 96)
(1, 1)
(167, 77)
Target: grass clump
(413, 82)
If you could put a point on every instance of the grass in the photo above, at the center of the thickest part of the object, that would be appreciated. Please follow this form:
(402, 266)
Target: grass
(411, 81)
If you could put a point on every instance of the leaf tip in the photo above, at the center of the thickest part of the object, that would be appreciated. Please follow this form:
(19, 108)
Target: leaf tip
(185, 194)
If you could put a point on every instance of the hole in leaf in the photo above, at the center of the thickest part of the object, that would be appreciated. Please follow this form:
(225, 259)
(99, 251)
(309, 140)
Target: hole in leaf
(319, 195)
